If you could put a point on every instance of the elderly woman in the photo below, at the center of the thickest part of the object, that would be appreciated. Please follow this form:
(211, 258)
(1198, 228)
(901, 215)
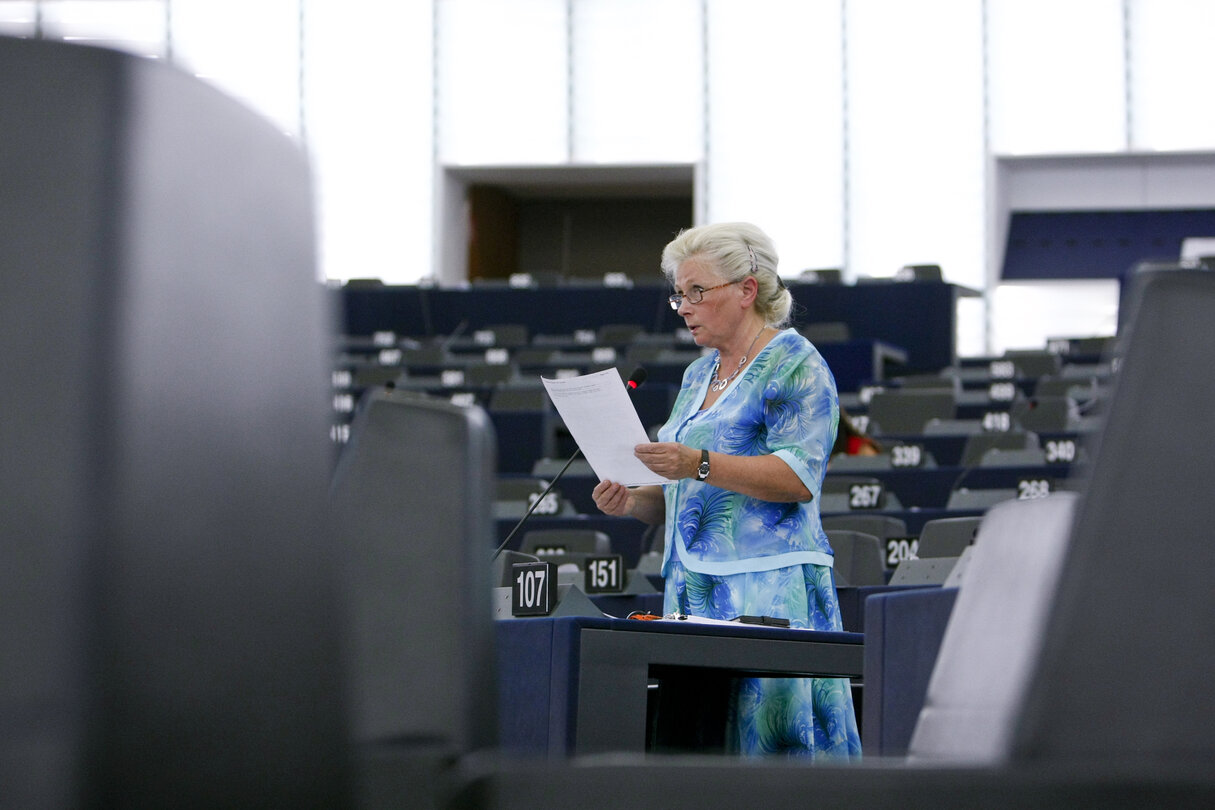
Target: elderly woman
(746, 447)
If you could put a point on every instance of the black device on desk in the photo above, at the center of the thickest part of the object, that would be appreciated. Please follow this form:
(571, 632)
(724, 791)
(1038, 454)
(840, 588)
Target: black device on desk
(766, 621)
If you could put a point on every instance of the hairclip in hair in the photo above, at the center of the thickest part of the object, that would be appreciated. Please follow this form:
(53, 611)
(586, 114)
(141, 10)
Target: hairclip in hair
(751, 253)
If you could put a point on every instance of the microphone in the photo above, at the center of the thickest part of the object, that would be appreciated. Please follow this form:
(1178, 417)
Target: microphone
(634, 382)
(636, 378)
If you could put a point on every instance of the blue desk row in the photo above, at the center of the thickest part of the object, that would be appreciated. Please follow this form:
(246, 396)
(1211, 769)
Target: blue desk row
(627, 534)
(919, 317)
(922, 488)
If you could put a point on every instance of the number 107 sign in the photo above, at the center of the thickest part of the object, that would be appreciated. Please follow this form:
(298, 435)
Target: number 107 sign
(533, 588)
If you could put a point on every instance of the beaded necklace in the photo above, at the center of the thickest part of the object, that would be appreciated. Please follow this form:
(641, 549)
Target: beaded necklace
(719, 384)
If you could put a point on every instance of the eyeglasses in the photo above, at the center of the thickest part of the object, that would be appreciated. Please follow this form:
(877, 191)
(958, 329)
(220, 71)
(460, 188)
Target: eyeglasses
(696, 294)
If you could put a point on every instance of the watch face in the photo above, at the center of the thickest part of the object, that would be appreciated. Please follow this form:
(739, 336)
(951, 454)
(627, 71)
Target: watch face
(704, 471)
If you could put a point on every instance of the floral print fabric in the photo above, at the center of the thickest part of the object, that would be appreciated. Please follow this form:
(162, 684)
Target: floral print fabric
(729, 554)
(784, 403)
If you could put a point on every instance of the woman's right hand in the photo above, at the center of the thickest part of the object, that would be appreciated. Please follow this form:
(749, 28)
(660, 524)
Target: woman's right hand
(613, 499)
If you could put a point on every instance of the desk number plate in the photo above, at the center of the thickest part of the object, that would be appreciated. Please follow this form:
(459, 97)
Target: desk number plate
(604, 574)
(533, 588)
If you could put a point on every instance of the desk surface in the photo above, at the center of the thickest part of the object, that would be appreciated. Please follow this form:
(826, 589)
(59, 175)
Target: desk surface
(589, 676)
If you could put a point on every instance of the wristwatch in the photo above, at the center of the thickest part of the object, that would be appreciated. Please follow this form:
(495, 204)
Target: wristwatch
(702, 472)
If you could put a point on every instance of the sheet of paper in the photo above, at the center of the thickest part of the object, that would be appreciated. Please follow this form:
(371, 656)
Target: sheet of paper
(600, 416)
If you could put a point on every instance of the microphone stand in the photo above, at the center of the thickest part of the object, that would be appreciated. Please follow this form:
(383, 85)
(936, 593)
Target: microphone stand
(536, 503)
(634, 382)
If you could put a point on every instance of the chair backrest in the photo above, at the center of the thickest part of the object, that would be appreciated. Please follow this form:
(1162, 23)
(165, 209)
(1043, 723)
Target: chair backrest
(513, 497)
(550, 467)
(947, 537)
(858, 558)
(412, 497)
(508, 335)
(930, 382)
(923, 571)
(618, 334)
(880, 526)
(170, 614)
(967, 499)
(1028, 457)
(1045, 414)
(488, 373)
(1129, 647)
(906, 412)
(979, 443)
(563, 541)
(520, 398)
(987, 654)
(1032, 364)
(501, 573)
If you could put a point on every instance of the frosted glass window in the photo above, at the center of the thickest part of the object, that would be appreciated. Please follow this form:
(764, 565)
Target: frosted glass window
(135, 26)
(18, 18)
(916, 155)
(249, 50)
(970, 336)
(1026, 316)
(503, 81)
(1171, 101)
(367, 104)
(638, 81)
(776, 134)
(1057, 76)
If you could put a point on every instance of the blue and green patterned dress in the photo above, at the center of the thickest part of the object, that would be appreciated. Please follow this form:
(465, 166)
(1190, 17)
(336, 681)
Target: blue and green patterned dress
(729, 554)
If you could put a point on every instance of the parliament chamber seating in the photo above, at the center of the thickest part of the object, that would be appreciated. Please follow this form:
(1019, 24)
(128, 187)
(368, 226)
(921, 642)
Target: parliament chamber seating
(188, 614)
(1067, 685)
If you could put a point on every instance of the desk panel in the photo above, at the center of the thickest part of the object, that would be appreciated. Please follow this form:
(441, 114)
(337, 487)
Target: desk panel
(615, 664)
(595, 673)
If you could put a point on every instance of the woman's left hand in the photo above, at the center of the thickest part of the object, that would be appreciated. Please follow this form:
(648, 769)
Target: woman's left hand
(668, 459)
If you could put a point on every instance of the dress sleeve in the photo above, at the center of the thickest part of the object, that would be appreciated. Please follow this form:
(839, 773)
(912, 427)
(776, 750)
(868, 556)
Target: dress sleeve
(801, 414)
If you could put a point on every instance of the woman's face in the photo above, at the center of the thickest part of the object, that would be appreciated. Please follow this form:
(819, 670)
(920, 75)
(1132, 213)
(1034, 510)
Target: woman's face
(715, 320)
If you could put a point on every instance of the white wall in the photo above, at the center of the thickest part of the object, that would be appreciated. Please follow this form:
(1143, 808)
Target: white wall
(864, 134)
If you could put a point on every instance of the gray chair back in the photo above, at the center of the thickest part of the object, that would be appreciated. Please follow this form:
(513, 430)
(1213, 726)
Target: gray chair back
(858, 558)
(987, 654)
(412, 499)
(906, 412)
(947, 537)
(170, 614)
(1129, 645)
